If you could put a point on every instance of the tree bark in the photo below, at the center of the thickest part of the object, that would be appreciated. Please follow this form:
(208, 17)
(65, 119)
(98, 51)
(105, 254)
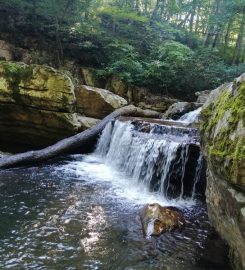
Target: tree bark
(77, 141)
(193, 13)
(227, 34)
(240, 38)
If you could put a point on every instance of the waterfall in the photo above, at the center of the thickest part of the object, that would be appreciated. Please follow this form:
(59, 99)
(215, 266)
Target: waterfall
(159, 161)
(190, 117)
(197, 176)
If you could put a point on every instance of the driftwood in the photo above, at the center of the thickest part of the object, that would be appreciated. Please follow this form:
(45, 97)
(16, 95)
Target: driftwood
(74, 142)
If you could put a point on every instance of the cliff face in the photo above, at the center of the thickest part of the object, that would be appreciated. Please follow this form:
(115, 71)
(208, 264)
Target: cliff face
(38, 105)
(223, 142)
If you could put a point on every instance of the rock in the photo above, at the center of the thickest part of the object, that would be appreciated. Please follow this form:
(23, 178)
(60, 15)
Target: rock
(97, 102)
(36, 86)
(37, 105)
(202, 96)
(178, 109)
(119, 87)
(157, 219)
(6, 51)
(88, 77)
(86, 122)
(223, 142)
(30, 126)
(145, 99)
(139, 96)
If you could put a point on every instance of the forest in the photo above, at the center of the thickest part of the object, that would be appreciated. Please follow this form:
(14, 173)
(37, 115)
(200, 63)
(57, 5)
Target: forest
(174, 47)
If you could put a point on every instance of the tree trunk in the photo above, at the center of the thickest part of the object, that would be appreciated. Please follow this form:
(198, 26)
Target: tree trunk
(154, 13)
(77, 141)
(193, 13)
(227, 34)
(239, 43)
(211, 23)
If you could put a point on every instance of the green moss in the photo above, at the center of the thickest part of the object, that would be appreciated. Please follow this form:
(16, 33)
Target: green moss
(15, 73)
(225, 153)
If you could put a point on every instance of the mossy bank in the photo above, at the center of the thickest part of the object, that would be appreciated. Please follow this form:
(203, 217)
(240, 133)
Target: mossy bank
(223, 142)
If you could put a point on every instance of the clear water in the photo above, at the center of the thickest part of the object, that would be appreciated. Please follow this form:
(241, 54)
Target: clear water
(80, 213)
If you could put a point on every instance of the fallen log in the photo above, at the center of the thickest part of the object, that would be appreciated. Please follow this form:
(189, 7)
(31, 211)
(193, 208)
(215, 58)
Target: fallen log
(70, 144)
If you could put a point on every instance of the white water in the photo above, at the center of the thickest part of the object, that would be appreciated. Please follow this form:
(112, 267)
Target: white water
(197, 175)
(144, 158)
(190, 117)
(139, 166)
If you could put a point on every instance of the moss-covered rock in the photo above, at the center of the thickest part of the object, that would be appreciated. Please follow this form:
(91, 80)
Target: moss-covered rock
(37, 105)
(37, 86)
(222, 129)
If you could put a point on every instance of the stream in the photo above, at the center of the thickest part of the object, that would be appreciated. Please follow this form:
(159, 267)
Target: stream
(81, 211)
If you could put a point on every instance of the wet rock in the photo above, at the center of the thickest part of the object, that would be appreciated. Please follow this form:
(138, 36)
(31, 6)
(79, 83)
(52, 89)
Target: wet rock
(157, 219)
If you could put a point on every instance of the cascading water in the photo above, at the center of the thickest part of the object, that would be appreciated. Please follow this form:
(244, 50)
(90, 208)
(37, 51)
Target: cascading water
(190, 117)
(160, 157)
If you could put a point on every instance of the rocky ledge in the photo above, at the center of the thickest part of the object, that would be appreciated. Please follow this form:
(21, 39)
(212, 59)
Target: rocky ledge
(223, 142)
(40, 105)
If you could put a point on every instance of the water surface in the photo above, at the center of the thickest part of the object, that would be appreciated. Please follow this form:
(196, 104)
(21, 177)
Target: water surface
(78, 213)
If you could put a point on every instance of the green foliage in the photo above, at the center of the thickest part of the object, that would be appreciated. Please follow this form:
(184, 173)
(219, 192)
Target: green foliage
(117, 15)
(149, 44)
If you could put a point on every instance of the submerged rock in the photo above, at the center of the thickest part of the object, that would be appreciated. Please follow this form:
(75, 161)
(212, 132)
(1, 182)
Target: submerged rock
(223, 142)
(157, 219)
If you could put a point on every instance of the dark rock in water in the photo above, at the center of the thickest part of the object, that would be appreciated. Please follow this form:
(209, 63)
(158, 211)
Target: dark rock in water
(157, 219)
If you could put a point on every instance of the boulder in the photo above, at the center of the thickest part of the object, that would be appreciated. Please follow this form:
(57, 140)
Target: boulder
(202, 96)
(37, 105)
(119, 87)
(97, 102)
(178, 109)
(88, 76)
(145, 99)
(157, 219)
(223, 142)
(36, 86)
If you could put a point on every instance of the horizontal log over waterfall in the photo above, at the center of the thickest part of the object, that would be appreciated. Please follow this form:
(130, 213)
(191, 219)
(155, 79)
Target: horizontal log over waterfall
(74, 142)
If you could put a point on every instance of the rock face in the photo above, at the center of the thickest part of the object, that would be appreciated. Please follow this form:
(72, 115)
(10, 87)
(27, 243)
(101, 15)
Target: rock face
(223, 142)
(202, 96)
(97, 102)
(37, 105)
(157, 219)
(139, 96)
(178, 109)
